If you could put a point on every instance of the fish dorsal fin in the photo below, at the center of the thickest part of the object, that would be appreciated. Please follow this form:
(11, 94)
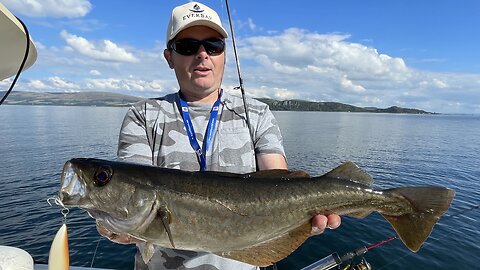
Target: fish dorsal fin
(350, 171)
(272, 251)
(279, 173)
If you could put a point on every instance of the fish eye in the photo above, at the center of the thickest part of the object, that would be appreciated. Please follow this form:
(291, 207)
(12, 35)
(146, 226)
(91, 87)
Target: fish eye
(102, 176)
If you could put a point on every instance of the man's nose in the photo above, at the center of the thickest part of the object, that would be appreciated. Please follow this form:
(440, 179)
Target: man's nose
(201, 53)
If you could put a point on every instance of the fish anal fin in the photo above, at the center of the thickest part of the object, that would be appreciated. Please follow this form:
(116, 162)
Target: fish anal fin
(279, 173)
(412, 234)
(272, 251)
(350, 171)
(429, 204)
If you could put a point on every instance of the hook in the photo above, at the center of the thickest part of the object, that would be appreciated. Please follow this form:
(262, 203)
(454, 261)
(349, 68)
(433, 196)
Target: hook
(58, 202)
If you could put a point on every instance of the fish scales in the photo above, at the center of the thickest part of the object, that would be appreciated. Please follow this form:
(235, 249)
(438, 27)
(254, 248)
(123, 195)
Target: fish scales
(258, 218)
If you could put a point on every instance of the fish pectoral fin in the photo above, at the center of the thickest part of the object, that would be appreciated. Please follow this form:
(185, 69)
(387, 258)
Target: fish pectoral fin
(146, 250)
(166, 218)
(429, 204)
(350, 171)
(269, 252)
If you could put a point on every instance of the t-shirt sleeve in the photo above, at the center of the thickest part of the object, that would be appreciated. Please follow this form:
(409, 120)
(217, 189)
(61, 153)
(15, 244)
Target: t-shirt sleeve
(268, 139)
(133, 141)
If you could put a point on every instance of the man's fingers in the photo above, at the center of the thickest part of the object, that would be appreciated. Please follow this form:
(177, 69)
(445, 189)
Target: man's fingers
(334, 221)
(321, 222)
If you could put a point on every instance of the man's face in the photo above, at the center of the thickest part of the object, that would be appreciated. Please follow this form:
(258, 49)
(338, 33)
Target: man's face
(199, 75)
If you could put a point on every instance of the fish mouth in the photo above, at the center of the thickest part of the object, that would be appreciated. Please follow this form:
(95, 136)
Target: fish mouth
(73, 188)
(138, 222)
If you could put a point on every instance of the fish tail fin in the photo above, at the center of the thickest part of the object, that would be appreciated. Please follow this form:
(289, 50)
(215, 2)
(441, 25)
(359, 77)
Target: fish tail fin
(429, 204)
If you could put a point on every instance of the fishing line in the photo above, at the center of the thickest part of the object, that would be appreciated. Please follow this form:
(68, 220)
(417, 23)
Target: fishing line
(435, 240)
(462, 212)
(25, 57)
(95, 253)
(240, 80)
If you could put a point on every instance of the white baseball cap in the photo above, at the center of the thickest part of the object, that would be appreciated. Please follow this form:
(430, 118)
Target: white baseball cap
(192, 14)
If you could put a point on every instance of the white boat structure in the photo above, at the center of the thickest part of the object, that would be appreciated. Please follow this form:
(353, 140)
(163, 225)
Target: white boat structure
(13, 43)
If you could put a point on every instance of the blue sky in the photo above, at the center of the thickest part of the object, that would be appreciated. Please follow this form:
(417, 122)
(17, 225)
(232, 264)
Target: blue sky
(416, 54)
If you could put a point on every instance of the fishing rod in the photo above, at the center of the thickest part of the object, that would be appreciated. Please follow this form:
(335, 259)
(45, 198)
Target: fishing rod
(240, 80)
(25, 57)
(334, 259)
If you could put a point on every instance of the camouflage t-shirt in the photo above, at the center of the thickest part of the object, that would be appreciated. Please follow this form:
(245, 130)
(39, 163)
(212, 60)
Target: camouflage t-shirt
(153, 132)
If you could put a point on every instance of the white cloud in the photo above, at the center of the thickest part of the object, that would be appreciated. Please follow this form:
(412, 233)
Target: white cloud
(59, 83)
(106, 50)
(123, 84)
(265, 92)
(5, 83)
(95, 72)
(37, 85)
(327, 67)
(349, 85)
(299, 50)
(242, 25)
(294, 64)
(433, 82)
(251, 24)
(50, 8)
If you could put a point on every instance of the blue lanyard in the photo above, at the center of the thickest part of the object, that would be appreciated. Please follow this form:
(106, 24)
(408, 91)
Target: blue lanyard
(209, 133)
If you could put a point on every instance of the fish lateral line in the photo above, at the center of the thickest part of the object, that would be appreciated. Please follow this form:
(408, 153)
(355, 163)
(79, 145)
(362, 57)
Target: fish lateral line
(229, 208)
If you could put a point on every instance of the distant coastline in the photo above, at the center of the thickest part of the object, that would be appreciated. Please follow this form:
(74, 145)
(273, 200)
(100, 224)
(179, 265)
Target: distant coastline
(121, 100)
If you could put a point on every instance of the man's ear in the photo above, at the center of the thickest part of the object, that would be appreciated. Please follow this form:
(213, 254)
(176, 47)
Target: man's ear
(168, 56)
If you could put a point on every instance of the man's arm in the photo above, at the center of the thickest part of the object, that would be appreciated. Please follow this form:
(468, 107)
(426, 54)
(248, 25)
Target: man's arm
(271, 161)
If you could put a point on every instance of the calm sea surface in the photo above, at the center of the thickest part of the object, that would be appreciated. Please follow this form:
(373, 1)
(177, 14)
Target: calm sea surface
(397, 150)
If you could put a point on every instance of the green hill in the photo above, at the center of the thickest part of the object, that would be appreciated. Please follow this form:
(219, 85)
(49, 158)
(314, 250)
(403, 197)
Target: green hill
(118, 100)
(303, 105)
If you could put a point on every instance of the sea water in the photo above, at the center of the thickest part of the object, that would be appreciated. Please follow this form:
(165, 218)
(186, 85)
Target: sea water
(396, 149)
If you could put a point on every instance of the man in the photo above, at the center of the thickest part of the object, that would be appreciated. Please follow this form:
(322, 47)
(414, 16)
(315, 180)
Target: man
(202, 127)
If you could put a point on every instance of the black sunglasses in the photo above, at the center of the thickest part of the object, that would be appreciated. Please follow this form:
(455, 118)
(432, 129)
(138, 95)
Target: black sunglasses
(190, 46)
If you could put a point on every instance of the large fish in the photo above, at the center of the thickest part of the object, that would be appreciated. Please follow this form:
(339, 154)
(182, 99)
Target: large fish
(258, 218)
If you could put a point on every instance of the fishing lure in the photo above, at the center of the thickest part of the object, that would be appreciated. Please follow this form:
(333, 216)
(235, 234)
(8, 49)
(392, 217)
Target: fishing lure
(59, 258)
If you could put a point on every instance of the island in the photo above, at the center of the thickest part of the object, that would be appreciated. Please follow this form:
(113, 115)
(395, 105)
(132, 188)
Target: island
(121, 100)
